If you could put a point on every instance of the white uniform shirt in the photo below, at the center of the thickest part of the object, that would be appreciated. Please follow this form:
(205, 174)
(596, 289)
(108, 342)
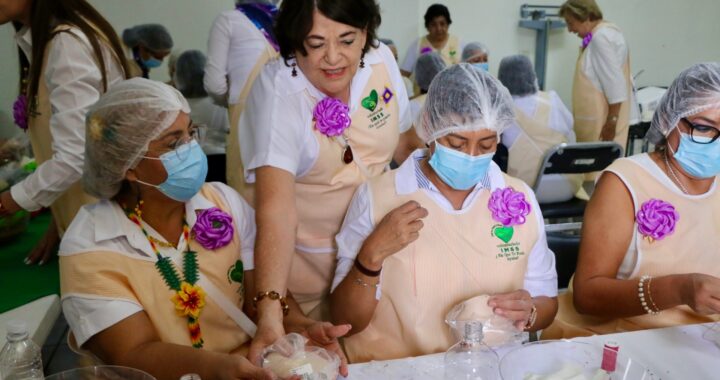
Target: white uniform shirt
(603, 66)
(276, 129)
(413, 52)
(540, 278)
(214, 120)
(88, 316)
(561, 119)
(234, 47)
(74, 83)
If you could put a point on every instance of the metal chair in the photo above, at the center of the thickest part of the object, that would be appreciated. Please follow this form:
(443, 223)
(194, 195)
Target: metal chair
(579, 158)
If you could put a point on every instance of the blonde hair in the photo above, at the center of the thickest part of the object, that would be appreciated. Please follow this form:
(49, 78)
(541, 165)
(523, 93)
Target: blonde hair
(582, 10)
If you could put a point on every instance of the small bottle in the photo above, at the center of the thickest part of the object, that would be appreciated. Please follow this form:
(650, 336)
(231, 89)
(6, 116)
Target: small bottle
(470, 359)
(20, 358)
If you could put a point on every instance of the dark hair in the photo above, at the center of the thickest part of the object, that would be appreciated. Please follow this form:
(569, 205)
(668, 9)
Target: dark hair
(46, 14)
(437, 10)
(295, 19)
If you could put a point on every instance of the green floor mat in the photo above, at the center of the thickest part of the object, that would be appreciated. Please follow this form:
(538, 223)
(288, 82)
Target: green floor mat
(22, 283)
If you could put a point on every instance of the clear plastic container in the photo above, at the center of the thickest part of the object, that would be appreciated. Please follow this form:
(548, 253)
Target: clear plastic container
(290, 356)
(542, 359)
(497, 331)
(713, 334)
(20, 358)
(470, 359)
(102, 372)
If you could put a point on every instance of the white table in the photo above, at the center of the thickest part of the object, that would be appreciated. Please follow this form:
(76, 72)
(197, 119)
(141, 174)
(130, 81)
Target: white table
(39, 315)
(671, 353)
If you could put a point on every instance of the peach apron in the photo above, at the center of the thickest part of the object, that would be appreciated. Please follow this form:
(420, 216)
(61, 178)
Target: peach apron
(456, 257)
(691, 248)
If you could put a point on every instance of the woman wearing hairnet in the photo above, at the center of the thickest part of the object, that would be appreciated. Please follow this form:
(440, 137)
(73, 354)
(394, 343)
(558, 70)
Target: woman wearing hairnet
(604, 104)
(541, 122)
(241, 42)
(426, 68)
(149, 44)
(446, 226)
(321, 120)
(212, 118)
(648, 256)
(476, 54)
(161, 266)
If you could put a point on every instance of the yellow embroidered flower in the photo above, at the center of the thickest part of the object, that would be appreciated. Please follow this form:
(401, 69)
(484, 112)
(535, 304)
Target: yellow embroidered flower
(189, 300)
(95, 127)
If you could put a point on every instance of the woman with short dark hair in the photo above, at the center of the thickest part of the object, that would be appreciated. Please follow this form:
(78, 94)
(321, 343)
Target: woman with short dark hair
(321, 120)
(437, 23)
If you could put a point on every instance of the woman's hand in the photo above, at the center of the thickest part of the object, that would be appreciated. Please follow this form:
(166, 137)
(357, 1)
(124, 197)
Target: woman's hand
(8, 206)
(46, 248)
(515, 306)
(395, 231)
(268, 331)
(702, 293)
(238, 367)
(325, 335)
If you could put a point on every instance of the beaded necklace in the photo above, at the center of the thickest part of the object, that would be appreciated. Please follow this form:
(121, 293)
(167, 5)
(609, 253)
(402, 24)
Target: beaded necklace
(189, 298)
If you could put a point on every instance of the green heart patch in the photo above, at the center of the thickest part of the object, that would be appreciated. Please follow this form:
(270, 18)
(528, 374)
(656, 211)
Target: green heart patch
(371, 101)
(503, 233)
(236, 273)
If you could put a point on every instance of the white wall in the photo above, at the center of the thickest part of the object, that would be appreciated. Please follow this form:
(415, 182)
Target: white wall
(665, 36)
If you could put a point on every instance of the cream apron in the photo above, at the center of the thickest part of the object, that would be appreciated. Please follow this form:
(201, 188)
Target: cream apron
(590, 107)
(324, 193)
(692, 248)
(450, 53)
(134, 278)
(67, 205)
(234, 167)
(529, 149)
(455, 258)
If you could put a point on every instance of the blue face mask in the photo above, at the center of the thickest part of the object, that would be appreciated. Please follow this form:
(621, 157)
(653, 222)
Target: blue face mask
(484, 66)
(699, 160)
(152, 63)
(186, 169)
(459, 170)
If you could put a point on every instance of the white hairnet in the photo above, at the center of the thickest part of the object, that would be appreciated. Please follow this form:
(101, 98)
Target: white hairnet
(462, 99)
(154, 37)
(426, 68)
(119, 128)
(517, 74)
(695, 90)
(189, 74)
(472, 49)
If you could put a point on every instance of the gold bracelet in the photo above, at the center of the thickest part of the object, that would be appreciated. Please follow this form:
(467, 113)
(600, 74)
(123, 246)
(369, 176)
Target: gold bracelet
(273, 295)
(641, 295)
(649, 293)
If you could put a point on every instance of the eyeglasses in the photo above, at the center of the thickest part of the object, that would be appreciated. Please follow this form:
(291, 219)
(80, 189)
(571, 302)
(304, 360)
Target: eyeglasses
(702, 134)
(194, 133)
